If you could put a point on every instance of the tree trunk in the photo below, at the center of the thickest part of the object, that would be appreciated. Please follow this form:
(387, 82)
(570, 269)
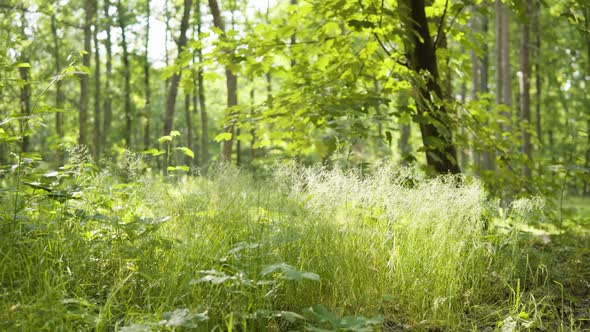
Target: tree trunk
(538, 76)
(405, 149)
(59, 96)
(475, 86)
(293, 38)
(166, 35)
(175, 80)
(25, 90)
(107, 108)
(506, 67)
(189, 124)
(202, 106)
(488, 156)
(587, 157)
(525, 97)
(96, 127)
(441, 153)
(231, 84)
(146, 83)
(127, 76)
(83, 110)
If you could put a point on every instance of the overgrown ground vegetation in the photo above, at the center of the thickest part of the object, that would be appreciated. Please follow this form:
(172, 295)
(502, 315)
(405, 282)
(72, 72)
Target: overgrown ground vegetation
(296, 249)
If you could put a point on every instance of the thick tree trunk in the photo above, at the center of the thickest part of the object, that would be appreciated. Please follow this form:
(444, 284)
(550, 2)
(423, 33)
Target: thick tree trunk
(441, 153)
(525, 97)
(146, 82)
(175, 80)
(127, 76)
(83, 108)
(107, 108)
(231, 84)
(97, 97)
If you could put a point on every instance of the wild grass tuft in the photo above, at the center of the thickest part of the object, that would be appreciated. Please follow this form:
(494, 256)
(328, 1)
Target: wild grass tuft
(306, 248)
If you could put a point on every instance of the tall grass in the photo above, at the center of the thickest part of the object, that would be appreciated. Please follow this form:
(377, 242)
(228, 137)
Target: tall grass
(305, 248)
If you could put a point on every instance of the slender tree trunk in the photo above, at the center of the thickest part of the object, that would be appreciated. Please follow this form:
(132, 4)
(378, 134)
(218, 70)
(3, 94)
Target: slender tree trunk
(107, 108)
(293, 38)
(488, 156)
(475, 89)
(25, 90)
(202, 106)
(587, 157)
(189, 123)
(195, 110)
(59, 96)
(97, 97)
(499, 52)
(253, 130)
(146, 82)
(506, 67)
(25, 103)
(127, 75)
(538, 76)
(405, 149)
(441, 156)
(525, 98)
(166, 36)
(175, 80)
(231, 84)
(83, 108)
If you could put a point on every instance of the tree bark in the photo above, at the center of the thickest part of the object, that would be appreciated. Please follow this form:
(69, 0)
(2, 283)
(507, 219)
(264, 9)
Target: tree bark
(175, 80)
(204, 157)
(525, 97)
(488, 156)
(231, 84)
(83, 110)
(97, 97)
(107, 107)
(59, 96)
(441, 153)
(538, 76)
(126, 76)
(505, 65)
(587, 157)
(25, 90)
(146, 82)
(189, 124)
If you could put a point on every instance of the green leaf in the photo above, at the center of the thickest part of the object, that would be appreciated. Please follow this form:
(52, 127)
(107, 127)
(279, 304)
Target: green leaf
(184, 318)
(183, 168)
(166, 138)
(288, 272)
(222, 137)
(175, 133)
(171, 168)
(290, 316)
(186, 151)
(22, 65)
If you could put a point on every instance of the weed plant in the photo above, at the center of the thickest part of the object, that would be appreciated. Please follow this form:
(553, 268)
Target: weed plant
(308, 248)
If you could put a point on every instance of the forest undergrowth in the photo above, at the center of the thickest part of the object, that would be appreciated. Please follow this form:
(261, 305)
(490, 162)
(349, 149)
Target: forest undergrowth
(301, 249)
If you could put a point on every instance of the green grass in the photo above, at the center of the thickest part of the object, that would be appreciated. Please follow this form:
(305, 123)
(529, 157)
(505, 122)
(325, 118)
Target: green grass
(303, 249)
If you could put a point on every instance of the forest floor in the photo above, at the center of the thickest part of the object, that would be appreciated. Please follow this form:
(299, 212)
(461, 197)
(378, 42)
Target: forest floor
(564, 246)
(304, 249)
